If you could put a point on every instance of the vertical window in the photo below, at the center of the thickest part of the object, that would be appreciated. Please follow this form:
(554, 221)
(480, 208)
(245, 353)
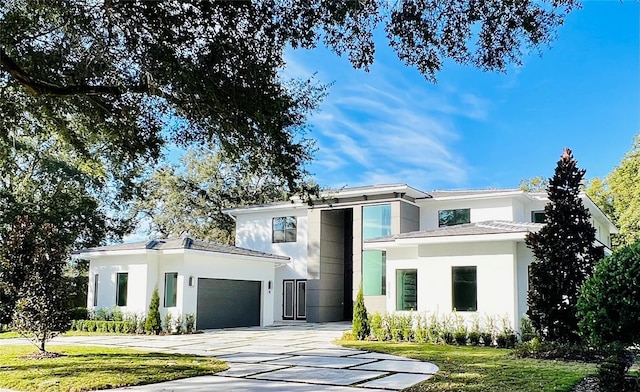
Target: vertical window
(374, 272)
(95, 290)
(454, 217)
(285, 229)
(537, 216)
(170, 289)
(122, 280)
(407, 289)
(376, 221)
(464, 289)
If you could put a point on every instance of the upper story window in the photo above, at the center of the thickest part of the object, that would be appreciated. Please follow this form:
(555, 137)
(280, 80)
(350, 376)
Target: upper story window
(454, 217)
(285, 229)
(537, 216)
(376, 221)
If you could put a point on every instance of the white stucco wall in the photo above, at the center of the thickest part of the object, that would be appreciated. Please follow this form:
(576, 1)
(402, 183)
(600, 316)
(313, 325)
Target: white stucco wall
(496, 264)
(254, 231)
(481, 210)
(146, 270)
(141, 269)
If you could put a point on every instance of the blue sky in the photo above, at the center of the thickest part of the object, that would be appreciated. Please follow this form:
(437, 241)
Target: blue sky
(478, 130)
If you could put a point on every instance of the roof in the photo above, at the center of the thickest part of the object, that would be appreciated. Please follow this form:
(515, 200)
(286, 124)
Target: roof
(476, 228)
(182, 243)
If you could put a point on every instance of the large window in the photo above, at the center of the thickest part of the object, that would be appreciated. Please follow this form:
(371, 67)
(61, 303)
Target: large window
(170, 289)
(122, 280)
(407, 289)
(376, 221)
(465, 289)
(374, 272)
(95, 290)
(454, 217)
(285, 229)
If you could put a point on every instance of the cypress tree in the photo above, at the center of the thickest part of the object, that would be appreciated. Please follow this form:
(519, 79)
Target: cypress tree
(152, 323)
(565, 254)
(360, 328)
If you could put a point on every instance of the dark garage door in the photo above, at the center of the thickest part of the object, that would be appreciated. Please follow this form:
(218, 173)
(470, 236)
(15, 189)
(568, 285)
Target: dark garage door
(224, 303)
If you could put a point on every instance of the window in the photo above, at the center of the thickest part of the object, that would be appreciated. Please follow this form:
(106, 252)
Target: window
(465, 289)
(407, 289)
(170, 289)
(285, 229)
(95, 290)
(376, 221)
(374, 272)
(122, 280)
(537, 216)
(454, 217)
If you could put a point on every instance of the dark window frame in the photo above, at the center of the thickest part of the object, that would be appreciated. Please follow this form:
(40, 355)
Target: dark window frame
(121, 300)
(455, 218)
(288, 229)
(459, 300)
(411, 291)
(174, 300)
(95, 289)
(538, 212)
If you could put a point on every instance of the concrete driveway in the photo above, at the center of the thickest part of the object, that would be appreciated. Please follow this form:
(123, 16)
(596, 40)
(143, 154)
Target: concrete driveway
(285, 357)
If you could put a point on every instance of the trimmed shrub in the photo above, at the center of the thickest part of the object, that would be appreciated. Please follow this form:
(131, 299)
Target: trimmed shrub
(190, 322)
(361, 328)
(152, 323)
(78, 313)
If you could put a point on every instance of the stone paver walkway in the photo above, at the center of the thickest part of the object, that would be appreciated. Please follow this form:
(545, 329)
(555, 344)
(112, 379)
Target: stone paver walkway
(285, 357)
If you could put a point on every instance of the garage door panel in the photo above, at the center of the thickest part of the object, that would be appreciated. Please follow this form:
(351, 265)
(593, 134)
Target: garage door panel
(225, 303)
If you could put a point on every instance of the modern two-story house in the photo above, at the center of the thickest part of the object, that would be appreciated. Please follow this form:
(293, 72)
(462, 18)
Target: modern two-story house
(409, 250)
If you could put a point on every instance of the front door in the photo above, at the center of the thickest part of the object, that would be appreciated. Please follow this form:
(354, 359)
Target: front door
(294, 302)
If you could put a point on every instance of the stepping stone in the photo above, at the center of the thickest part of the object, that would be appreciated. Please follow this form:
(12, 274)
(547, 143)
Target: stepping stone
(331, 352)
(397, 381)
(400, 367)
(323, 362)
(250, 357)
(382, 356)
(319, 376)
(247, 369)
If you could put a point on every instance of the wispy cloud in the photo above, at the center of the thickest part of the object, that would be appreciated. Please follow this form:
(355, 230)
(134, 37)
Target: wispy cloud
(383, 127)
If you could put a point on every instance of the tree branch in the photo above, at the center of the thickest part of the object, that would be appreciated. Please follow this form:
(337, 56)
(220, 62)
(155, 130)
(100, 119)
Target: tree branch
(40, 87)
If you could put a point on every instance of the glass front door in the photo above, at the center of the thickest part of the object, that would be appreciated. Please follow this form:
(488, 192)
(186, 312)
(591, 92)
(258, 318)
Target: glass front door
(294, 302)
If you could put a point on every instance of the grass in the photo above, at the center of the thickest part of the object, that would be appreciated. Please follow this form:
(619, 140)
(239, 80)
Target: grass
(480, 369)
(90, 368)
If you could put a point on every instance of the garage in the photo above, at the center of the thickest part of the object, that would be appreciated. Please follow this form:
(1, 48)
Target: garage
(226, 303)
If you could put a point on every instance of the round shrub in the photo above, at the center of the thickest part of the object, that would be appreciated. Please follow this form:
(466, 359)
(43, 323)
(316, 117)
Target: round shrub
(609, 304)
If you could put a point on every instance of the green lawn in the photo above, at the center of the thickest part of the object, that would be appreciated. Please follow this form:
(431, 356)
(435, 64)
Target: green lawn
(484, 369)
(90, 368)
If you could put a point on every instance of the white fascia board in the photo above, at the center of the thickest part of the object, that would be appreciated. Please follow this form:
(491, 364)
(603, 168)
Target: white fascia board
(402, 242)
(260, 208)
(406, 189)
(228, 255)
(106, 253)
(596, 212)
(479, 196)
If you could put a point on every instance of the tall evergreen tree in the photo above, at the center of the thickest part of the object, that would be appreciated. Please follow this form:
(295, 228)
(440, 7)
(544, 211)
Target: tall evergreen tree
(565, 254)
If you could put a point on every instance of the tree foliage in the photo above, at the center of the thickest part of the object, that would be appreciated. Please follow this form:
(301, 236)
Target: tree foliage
(188, 198)
(624, 186)
(565, 254)
(130, 75)
(534, 184)
(153, 323)
(609, 304)
(41, 297)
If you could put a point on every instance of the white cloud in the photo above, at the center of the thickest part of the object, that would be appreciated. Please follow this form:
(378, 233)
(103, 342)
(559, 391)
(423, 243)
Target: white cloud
(386, 127)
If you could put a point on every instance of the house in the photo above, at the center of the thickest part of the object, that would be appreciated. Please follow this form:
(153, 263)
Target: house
(409, 249)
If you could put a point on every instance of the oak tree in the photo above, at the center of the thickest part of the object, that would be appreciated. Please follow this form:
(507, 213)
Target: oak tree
(130, 75)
